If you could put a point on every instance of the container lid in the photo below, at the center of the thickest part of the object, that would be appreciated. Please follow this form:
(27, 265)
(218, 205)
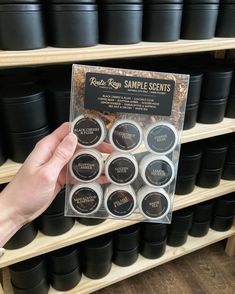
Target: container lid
(120, 1)
(190, 151)
(183, 213)
(121, 7)
(210, 171)
(201, 6)
(227, 1)
(74, 7)
(27, 264)
(201, 1)
(21, 94)
(43, 131)
(168, 6)
(20, 1)
(216, 145)
(70, 1)
(214, 102)
(20, 7)
(218, 71)
(162, 1)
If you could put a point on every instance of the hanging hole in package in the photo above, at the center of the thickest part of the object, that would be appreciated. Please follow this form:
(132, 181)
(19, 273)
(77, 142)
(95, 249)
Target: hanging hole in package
(128, 125)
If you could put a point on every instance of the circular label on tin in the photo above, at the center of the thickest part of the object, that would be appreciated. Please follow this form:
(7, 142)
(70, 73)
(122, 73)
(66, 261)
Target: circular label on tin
(88, 131)
(121, 170)
(126, 136)
(120, 203)
(85, 200)
(158, 172)
(161, 139)
(154, 205)
(85, 167)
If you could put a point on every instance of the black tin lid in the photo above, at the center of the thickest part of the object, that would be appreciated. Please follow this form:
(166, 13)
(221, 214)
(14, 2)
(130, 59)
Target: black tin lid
(66, 281)
(43, 131)
(219, 72)
(160, 7)
(71, 1)
(201, 6)
(74, 7)
(181, 220)
(20, 7)
(176, 239)
(216, 145)
(203, 211)
(225, 206)
(162, 1)
(41, 288)
(20, 1)
(222, 223)
(57, 206)
(152, 250)
(153, 232)
(21, 94)
(90, 221)
(199, 229)
(121, 7)
(120, 1)
(127, 238)
(98, 250)
(206, 171)
(126, 257)
(190, 151)
(227, 1)
(201, 1)
(213, 103)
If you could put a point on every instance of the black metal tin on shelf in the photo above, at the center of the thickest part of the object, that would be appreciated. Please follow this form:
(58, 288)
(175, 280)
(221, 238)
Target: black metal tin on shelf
(165, 16)
(71, 1)
(65, 282)
(98, 250)
(199, 21)
(29, 273)
(21, 144)
(229, 172)
(97, 270)
(214, 153)
(127, 238)
(195, 85)
(41, 288)
(209, 178)
(21, 27)
(226, 20)
(190, 118)
(230, 110)
(48, 224)
(152, 250)
(90, 221)
(64, 260)
(57, 206)
(126, 257)
(230, 158)
(190, 160)
(23, 108)
(120, 1)
(22, 237)
(120, 23)
(181, 220)
(153, 232)
(176, 239)
(160, 1)
(222, 223)
(216, 83)
(202, 212)
(225, 206)
(199, 229)
(185, 185)
(212, 112)
(73, 25)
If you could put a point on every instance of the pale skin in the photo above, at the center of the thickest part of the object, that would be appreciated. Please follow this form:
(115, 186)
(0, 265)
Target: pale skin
(38, 182)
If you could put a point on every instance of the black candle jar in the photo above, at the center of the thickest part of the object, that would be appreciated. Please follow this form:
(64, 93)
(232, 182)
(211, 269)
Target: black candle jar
(125, 257)
(65, 282)
(230, 110)
(229, 172)
(41, 288)
(120, 23)
(195, 85)
(202, 212)
(152, 250)
(165, 16)
(212, 112)
(199, 229)
(190, 118)
(230, 158)
(96, 271)
(185, 185)
(127, 238)
(57, 206)
(22, 237)
(222, 223)
(199, 20)
(226, 19)
(48, 224)
(209, 178)
(176, 239)
(64, 260)
(23, 108)
(225, 206)
(29, 273)
(21, 144)
(21, 26)
(90, 221)
(73, 25)
(181, 220)
(153, 232)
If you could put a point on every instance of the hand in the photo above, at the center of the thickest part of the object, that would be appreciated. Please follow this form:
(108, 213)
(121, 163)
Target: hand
(41, 177)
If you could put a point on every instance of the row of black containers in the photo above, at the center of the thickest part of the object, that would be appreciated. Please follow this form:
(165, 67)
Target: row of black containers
(32, 24)
(205, 162)
(63, 268)
(35, 101)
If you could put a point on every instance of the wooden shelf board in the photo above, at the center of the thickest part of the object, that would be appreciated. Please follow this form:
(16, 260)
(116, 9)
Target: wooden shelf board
(51, 55)
(200, 131)
(43, 244)
(117, 273)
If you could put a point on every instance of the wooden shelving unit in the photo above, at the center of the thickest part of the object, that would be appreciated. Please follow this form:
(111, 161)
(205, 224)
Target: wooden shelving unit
(56, 55)
(118, 273)
(200, 131)
(43, 244)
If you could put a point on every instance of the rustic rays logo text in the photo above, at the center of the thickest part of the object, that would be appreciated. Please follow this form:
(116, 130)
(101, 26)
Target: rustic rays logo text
(110, 83)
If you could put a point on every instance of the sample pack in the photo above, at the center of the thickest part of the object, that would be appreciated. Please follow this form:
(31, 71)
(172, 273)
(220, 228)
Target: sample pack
(128, 125)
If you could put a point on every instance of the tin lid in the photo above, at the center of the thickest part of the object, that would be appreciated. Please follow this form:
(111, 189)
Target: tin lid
(162, 1)
(216, 145)
(20, 7)
(219, 71)
(227, 1)
(201, 1)
(201, 6)
(70, 1)
(210, 171)
(20, 1)
(190, 151)
(74, 7)
(120, 1)
(164, 6)
(36, 133)
(127, 238)
(121, 7)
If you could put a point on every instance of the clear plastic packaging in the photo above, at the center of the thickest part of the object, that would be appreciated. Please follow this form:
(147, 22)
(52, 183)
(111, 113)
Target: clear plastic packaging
(128, 124)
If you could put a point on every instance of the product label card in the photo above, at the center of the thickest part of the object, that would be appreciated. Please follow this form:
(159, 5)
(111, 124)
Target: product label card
(115, 93)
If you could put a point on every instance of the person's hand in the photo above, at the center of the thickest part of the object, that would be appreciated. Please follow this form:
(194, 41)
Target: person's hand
(41, 177)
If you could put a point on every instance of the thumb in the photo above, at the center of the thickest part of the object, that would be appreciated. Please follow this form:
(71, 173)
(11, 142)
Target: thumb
(62, 154)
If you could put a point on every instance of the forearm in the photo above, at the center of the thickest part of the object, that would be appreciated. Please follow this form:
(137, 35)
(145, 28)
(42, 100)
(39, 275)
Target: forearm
(9, 223)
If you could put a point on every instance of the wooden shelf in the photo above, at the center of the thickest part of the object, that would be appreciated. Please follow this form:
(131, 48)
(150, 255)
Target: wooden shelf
(200, 131)
(55, 55)
(43, 244)
(120, 273)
